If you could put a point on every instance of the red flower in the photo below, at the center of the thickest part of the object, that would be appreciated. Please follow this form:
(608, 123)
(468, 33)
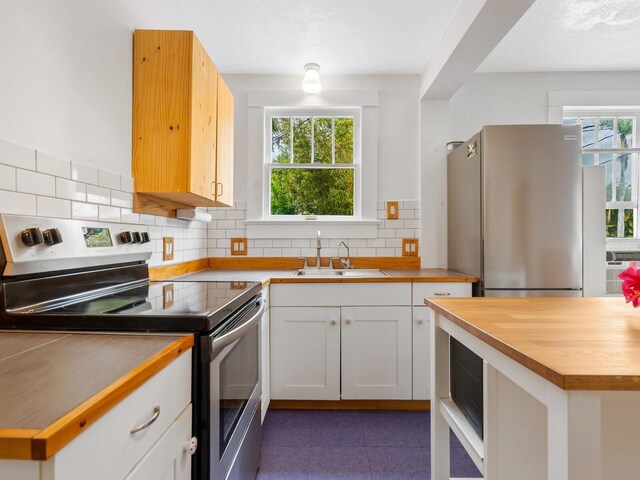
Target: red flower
(631, 284)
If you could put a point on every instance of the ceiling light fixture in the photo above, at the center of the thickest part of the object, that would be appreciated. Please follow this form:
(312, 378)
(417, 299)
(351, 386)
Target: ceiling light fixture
(311, 81)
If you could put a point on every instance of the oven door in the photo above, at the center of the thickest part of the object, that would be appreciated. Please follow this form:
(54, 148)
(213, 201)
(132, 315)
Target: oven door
(235, 394)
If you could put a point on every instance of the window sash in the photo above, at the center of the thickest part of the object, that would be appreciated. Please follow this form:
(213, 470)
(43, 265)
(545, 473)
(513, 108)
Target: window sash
(614, 204)
(333, 113)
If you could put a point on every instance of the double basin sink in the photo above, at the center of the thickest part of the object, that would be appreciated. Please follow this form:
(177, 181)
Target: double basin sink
(328, 272)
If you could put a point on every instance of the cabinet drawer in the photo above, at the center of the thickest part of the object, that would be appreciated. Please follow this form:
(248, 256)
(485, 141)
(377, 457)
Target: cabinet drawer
(339, 294)
(444, 289)
(108, 450)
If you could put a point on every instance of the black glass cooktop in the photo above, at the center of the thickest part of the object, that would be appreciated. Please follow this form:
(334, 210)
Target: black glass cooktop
(146, 306)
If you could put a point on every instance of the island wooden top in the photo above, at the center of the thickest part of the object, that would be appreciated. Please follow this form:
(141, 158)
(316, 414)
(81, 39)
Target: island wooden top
(575, 343)
(54, 385)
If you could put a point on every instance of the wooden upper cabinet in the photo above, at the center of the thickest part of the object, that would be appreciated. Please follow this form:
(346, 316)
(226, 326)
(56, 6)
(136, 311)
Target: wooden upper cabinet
(177, 124)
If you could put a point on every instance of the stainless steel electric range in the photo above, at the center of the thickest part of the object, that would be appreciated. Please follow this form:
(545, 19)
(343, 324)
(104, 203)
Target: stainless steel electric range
(85, 275)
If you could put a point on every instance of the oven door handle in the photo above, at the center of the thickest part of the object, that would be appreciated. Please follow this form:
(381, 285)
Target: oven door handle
(219, 343)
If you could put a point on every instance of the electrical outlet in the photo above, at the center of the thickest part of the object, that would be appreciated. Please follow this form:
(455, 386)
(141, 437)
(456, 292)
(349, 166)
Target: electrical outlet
(167, 296)
(409, 247)
(167, 248)
(238, 246)
(392, 210)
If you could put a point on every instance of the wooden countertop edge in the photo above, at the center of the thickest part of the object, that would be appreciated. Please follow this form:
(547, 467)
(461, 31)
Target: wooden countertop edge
(390, 279)
(26, 444)
(565, 382)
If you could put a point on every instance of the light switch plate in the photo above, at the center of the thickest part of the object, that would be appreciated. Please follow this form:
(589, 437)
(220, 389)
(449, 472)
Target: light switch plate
(238, 246)
(409, 247)
(167, 248)
(392, 210)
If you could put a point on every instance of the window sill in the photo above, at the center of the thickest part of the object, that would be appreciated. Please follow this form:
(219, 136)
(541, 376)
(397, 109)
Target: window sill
(309, 228)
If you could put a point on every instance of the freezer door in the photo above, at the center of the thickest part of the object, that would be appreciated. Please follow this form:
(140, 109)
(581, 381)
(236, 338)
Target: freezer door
(464, 244)
(532, 207)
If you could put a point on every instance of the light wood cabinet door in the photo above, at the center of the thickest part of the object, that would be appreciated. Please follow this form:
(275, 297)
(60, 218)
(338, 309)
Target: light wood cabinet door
(182, 124)
(168, 459)
(305, 353)
(376, 353)
(224, 160)
(204, 106)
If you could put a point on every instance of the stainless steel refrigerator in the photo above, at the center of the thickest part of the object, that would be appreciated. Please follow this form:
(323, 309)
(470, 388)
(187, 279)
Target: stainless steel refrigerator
(515, 210)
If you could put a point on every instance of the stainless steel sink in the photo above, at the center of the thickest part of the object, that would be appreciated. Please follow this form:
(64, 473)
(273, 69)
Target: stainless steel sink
(328, 272)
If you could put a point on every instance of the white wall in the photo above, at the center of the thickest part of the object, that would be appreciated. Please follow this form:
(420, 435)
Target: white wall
(65, 79)
(484, 99)
(398, 111)
(516, 98)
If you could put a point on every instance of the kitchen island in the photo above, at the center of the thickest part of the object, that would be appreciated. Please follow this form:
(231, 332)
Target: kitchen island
(561, 386)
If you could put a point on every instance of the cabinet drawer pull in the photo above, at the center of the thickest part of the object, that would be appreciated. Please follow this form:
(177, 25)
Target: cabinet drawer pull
(420, 321)
(332, 323)
(442, 294)
(221, 189)
(156, 414)
(347, 321)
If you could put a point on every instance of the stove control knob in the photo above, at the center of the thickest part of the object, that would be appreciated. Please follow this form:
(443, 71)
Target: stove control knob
(52, 236)
(136, 237)
(31, 237)
(145, 237)
(125, 237)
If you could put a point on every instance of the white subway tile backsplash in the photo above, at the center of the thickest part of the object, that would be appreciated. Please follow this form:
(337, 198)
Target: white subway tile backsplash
(37, 183)
(108, 179)
(109, 214)
(366, 252)
(216, 252)
(300, 242)
(405, 232)
(235, 214)
(282, 242)
(386, 233)
(385, 252)
(226, 224)
(393, 224)
(17, 203)
(53, 207)
(264, 242)
(99, 195)
(412, 223)
(128, 216)
(405, 214)
(147, 219)
(273, 252)
(84, 211)
(7, 177)
(236, 233)
(393, 242)
(71, 190)
(290, 252)
(255, 252)
(17, 155)
(375, 242)
(84, 173)
(121, 199)
(412, 204)
(52, 165)
(126, 184)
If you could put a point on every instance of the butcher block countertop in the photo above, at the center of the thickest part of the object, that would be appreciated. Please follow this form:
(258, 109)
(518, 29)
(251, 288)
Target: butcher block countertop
(54, 385)
(285, 276)
(575, 343)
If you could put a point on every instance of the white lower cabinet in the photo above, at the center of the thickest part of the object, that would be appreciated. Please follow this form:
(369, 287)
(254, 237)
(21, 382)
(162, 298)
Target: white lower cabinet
(169, 458)
(376, 353)
(420, 327)
(265, 334)
(305, 353)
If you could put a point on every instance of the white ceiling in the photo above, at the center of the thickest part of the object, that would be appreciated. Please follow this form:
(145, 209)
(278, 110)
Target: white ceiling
(279, 37)
(571, 35)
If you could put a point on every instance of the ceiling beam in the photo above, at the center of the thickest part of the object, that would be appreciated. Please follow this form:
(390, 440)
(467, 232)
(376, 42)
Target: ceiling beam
(475, 30)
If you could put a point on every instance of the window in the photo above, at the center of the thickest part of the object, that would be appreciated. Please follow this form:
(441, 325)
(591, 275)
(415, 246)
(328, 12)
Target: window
(312, 164)
(611, 139)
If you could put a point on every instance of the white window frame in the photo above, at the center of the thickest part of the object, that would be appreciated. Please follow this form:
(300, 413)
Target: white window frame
(356, 166)
(633, 204)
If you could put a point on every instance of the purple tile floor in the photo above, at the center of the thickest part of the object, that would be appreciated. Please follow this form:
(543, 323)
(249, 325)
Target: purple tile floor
(352, 445)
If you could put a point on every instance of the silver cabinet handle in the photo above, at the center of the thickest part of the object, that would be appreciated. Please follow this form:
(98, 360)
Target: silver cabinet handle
(347, 321)
(156, 414)
(420, 321)
(190, 446)
(442, 294)
(221, 189)
(332, 323)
